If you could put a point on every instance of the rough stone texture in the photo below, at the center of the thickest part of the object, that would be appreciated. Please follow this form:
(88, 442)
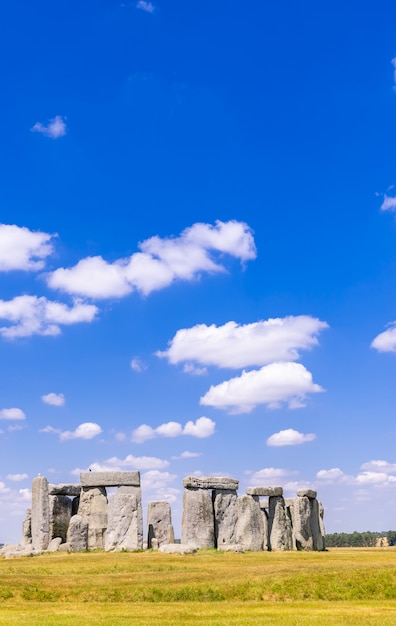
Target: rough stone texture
(109, 479)
(321, 525)
(93, 508)
(75, 505)
(77, 535)
(231, 547)
(60, 510)
(158, 520)
(264, 513)
(198, 519)
(154, 544)
(170, 534)
(64, 490)
(210, 482)
(250, 526)
(225, 506)
(27, 529)
(177, 548)
(279, 525)
(316, 526)
(264, 491)
(54, 544)
(137, 492)
(122, 529)
(301, 520)
(309, 493)
(40, 513)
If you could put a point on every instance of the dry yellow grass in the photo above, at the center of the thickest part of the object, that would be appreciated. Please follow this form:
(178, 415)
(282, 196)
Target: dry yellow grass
(211, 588)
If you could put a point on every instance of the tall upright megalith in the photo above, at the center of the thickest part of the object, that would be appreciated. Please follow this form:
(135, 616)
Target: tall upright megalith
(159, 520)
(225, 507)
(122, 529)
(250, 525)
(198, 518)
(40, 520)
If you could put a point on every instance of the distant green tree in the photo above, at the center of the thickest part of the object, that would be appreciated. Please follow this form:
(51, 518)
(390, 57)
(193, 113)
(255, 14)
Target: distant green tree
(391, 537)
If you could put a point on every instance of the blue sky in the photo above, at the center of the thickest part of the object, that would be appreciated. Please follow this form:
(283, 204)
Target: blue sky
(198, 248)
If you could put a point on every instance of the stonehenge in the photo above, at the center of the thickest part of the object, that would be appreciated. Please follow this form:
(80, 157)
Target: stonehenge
(77, 517)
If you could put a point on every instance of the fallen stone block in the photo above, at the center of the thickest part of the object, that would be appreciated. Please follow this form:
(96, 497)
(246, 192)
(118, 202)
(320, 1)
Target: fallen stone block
(177, 548)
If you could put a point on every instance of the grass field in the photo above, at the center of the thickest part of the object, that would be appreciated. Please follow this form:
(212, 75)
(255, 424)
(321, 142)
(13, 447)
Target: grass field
(341, 586)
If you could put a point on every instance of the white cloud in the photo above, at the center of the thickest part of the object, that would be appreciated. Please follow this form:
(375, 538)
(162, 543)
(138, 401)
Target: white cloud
(55, 128)
(289, 437)
(23, 249)
(55, 399)
(386, 341)
(389, 203)
(189, 368)
(375, 478)
(87, 430)
(12, 414)
(271, 385)
(138, 365)
(114, 464)
(203, 427)
(379, 465)
(154, 479)
(145, 6)
(269, 476)
(32, 315)
(187, 455)
(159, 263)
(16, 477)
(242, 345)
(14, 427)
(333, 475)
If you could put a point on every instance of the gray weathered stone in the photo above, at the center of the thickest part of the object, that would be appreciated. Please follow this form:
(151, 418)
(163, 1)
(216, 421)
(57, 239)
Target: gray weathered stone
(250, 526)
(198, 519)
(321, 525)
(301, 520)
(77, 534)
(40, 513)
(64, 490)
(122, 529)
(177, 548)
(158, 521)
(60, 511)
(264, 491)
(154, 544)
(225, 505)
(264, 513)
(279, 525)
(231, 547)
(93, 508)
(309, 493)
(316, 526)
(54, 544)
(109, 479)
(27, 529)
(210, 482)
(137, 492)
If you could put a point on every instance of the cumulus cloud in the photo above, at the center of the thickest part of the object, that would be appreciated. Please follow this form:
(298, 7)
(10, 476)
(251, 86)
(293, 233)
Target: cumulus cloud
(148, 7)
(138, 365)
(23, 249)
(289, 437)
(16, 477)
(202, 427)
(87, 430)
(242, 345)
(379, 466)
(375, 478)
(55, 128)
(269, 476)
(193, 370)
(271, 385)
(187, 455)
(33, 315)
(55, 399)
(12, 414)
(389, 203)
(386, 341)
(159, 262)
(114, 464)
(332, 475)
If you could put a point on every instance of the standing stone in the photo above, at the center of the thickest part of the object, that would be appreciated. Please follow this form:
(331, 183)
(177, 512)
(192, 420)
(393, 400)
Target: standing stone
(77, 535)
(137, 492)
(158, 521)
(198, 518)
(250, 525)
(40, 513)
(279, 526)
(27, 529)
(317, 525)
(225, 506)
(93, 509)
(60, 511)
(301, 519)
(322, 526)
(264, 513)
(170, 535)
(122, 529)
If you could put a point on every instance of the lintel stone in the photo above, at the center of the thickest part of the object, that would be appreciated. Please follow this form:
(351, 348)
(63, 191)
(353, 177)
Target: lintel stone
(109, 479)
(264, 491)
(309, 493)
(210, 482)
(64, 490)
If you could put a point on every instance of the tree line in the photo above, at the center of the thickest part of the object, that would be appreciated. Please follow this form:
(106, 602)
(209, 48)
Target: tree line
(366, 539)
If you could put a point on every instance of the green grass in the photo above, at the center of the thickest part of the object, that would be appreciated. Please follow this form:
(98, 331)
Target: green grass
(342, 586)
